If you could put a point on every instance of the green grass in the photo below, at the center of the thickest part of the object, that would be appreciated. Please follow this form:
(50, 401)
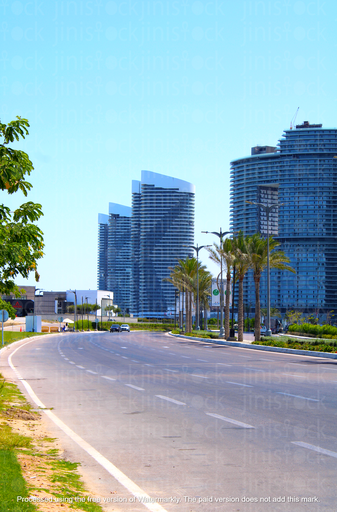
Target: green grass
(67, 486)
(317, 345)
(11, 336)
(12, 485)
(197, 334)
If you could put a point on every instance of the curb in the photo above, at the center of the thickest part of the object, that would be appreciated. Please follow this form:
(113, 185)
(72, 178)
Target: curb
(266, 348)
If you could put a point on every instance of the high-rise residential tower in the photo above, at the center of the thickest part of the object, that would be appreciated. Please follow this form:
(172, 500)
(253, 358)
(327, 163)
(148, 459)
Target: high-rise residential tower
(114, 254)
(300, 175)
(136, 249)
(162, 230)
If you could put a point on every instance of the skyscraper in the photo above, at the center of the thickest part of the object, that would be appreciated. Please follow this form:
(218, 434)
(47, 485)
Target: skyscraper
(301, 175)
(114, 254)
(162, 230)
(136, 250)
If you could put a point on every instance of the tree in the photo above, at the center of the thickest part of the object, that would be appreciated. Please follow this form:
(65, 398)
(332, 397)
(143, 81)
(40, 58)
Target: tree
(21, 240)
(224, 251)
(258, 255)
(240, 244)
(184, 277)
(9, 308)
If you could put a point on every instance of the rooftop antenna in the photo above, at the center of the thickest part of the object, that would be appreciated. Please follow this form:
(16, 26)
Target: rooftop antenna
(292, 122)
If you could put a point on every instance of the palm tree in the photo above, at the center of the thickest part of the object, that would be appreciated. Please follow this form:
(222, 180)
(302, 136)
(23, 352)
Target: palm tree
(184, 277)
(258, 253)
(224, 251)
(240, 247)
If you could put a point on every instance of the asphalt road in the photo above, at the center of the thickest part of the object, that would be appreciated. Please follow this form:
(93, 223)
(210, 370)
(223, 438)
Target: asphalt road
(218, 428)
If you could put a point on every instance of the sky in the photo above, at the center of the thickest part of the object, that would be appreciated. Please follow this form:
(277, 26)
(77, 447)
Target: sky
(182, 88)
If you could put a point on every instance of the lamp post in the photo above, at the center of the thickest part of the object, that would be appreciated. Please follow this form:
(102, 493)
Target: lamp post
(87, 313)
(36, 290)
(75, 313)
(197, 249)
(220, 235)
(267, 209)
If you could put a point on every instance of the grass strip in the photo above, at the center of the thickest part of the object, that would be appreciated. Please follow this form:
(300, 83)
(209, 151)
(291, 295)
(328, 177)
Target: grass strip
(13, 485)
(55, 479)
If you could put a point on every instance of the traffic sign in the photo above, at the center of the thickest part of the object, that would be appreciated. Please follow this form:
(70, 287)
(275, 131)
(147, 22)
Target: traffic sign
(3, 315)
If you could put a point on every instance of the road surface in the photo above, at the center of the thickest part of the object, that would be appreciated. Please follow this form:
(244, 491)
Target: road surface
(186, 425)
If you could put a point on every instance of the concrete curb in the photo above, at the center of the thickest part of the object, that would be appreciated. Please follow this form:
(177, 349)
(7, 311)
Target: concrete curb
(312, 353)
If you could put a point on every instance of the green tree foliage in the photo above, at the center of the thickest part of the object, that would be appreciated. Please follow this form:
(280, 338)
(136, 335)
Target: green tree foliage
(8, 307)
(21, 240)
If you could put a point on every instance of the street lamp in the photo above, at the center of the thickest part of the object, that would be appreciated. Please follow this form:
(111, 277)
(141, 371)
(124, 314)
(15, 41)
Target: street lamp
(197, 249)
(87, 313)
(36, 290)
(75, 313)
(267, 209)
(220, 235)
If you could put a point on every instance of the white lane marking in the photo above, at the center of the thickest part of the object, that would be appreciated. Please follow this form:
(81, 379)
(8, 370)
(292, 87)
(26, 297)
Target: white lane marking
(229, 420)
(298, 396)
(134, 361)
(294, 375)
(134, 387)
(66, 358)
(108, 378)
(224, 364)
(80, 348)
(186, 357)
(90, 371)
(71, 362)
(123, 357)
(200, 376)
(170, 400)
(202, 360)
(166, 347)
(81, 367)
(173, 371)
(269, 360)
(317, 449)
(254, 370)
(133, 488)
(247, 357)
(239, 384)
(147, 364)
(124, 347)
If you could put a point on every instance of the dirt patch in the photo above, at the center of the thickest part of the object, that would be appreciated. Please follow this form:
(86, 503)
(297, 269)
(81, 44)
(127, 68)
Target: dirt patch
(42, 466)
(15, 413)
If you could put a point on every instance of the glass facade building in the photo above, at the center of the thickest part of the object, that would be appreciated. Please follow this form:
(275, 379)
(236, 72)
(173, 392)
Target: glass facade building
(114, 254)
(162, 230)
(300, 175)
(136, 246)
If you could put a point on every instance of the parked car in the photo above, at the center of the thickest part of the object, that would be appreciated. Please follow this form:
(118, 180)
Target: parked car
(125, 327)
(115, 328)
(263, 329)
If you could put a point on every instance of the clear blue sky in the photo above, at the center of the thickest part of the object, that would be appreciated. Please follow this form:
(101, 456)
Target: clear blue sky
(175, 87)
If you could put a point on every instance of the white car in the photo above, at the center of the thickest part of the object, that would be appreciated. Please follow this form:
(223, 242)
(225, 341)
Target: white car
(263, 329)
(125, 327)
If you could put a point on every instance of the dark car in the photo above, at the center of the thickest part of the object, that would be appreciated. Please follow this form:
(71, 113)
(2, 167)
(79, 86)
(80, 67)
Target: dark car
(115, 328)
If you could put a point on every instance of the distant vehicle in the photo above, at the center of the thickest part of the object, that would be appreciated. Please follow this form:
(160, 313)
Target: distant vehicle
(263, 329)
(115, 328)
(125, 327)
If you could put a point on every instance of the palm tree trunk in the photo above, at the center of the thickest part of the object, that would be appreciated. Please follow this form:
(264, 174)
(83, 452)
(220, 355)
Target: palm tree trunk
(240, 319)
(257, 327)
(228, 295)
